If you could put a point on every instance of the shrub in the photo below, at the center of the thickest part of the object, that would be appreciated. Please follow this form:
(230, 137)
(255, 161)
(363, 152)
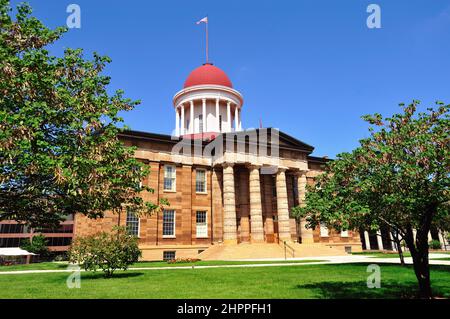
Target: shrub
(105, 251)
(183, 260)
(60, 257)
(435, 244)
(37, 245)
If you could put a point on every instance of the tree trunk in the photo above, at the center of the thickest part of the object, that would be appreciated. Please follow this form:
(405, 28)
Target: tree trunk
(422, 271)
(399, 249)
(419, 254)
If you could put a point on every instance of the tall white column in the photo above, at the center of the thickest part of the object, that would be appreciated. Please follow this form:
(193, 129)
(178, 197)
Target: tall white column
(305, 233)
(236, 119)
(229, 116)
(183, 131)
(177, 122)
(380, 241)
(217, 116)
(284, 231)
(442, 240)
(393, 243)
(257, 229)
(366, 239)
(191, 119)
(229, 205)
(204, 115)
(240, 120)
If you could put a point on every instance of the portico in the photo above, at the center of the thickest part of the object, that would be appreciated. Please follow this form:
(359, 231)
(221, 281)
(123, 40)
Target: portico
(256, 205)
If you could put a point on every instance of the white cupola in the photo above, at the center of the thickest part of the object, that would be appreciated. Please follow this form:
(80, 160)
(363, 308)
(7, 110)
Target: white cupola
(208, 104)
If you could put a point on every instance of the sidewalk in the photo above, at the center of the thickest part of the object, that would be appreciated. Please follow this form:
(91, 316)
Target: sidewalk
(320, 261)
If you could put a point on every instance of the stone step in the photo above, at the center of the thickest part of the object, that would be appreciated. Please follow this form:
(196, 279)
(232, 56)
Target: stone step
(264, 250)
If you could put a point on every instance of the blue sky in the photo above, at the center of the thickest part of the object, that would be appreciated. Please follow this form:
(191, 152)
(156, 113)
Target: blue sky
(309, 68)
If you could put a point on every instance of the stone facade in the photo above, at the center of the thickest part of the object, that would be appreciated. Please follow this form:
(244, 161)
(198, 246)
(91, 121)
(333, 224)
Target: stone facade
(246, 200)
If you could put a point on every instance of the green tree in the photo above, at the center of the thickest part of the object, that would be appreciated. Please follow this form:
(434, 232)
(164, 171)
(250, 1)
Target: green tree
(37, 245)
(398, 176)
(59, 150)
(106, 251)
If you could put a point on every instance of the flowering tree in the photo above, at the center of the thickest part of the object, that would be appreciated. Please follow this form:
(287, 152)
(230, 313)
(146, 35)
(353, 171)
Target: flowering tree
(399, 177)
(59, 151)
(106, 251)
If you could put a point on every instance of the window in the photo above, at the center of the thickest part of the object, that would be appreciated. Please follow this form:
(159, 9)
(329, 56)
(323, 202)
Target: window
(170, 178)
(220, 123)
(10, 242)
(132, 224)
(323, 230)
(344, 233)
(202, 226)
(200, 123)
(61, 229)
(168, 255)
(168, 223)
(12, 228)
(59, 241)
(200, 181)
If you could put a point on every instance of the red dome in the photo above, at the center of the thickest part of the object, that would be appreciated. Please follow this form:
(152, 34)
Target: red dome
(207, 74)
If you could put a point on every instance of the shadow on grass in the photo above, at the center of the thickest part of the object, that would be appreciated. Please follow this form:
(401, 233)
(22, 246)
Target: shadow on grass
(117, 275)
(359, 290)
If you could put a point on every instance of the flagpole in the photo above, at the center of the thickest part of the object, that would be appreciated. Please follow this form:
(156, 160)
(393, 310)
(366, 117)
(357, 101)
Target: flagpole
(207, 59)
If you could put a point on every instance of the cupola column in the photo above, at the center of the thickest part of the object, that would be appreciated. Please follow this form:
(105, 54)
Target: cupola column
(177, 122)
(240, 120)
(191, 118)
(229, 117)
(182, 120)
(203, 115)
(236, 119)
(217, 116)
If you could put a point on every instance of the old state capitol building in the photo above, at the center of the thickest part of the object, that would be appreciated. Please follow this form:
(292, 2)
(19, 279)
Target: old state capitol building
(230, 190)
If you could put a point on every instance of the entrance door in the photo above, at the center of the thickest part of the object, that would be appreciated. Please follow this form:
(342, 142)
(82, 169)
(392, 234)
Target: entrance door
(275, 229)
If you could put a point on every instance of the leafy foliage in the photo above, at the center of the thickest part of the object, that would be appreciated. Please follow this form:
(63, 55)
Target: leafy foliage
(105, 251)
(435, 244)
(59, 150)
(398, 177)
(37, 245)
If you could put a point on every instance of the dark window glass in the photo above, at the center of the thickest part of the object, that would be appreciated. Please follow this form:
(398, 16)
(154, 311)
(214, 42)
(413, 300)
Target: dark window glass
(59, 241)
(168, 255)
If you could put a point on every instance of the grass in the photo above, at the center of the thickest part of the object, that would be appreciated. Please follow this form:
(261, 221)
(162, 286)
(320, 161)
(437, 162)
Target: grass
(303, 281)
(378, 254)
(149, 264)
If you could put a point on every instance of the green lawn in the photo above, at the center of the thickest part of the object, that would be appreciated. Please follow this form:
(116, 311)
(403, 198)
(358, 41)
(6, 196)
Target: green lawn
(150, 264)
(394, 254)
(303, 281)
